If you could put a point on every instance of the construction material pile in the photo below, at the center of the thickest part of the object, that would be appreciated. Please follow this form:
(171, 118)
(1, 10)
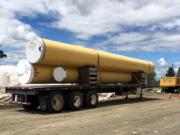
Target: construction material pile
(7, 78)
(55, 62)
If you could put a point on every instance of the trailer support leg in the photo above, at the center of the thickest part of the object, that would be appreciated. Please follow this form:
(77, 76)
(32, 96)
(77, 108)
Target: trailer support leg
(141, 94)
(126, 95)
(43, 102)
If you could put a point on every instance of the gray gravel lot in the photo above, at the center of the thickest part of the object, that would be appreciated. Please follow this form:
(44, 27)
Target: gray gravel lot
(154, 115)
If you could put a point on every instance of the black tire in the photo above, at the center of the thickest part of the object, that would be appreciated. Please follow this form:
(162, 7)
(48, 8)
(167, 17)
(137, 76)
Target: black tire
(55, 102)
(66, 98)
(91, 99)
(75, 100)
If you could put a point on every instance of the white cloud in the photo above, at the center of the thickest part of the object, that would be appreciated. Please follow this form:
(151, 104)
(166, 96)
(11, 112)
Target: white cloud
(148, 42)
(172, 24)
(87, 18)
(102, 17)
(13, 33)
(161, 67)
(162, 62)
(91, 18)
(13, 56)
(13, 36)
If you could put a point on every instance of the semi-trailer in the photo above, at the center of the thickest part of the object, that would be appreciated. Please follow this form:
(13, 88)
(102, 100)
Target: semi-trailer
(57, 75)
(54, 97)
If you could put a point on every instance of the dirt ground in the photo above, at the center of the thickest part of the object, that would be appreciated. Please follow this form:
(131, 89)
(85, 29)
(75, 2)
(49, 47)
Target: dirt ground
(154, 115)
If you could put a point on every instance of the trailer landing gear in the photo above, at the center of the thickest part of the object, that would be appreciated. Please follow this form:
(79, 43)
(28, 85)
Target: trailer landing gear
(34, 103)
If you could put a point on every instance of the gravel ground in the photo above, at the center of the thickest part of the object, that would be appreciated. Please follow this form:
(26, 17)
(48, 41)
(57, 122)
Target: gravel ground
(154, 115)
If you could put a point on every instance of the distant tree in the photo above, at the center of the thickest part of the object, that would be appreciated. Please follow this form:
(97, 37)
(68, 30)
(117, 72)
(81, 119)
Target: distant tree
(151, 79)
(178, 73)
(170, 72)
(2, 54)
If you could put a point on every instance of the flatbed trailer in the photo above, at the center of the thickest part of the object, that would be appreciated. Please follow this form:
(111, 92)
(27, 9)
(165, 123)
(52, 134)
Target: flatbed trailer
(54, 97)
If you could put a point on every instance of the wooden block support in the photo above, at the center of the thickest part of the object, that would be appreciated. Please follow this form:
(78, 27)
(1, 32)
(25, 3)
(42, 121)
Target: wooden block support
(138, 78)
(88, 75)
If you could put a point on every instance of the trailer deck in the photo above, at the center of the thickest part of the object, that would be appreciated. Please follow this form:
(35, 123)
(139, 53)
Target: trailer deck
(34, 89)
(48, 96)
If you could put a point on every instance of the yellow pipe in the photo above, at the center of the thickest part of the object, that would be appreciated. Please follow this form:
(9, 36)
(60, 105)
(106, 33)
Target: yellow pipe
(66, 75)
(71, 75)
(115, 77)
(47, 52)
(114, 62)
(43, 74)
(28, 73)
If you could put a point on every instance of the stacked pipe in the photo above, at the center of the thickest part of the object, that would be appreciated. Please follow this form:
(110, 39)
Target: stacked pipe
(50, 61)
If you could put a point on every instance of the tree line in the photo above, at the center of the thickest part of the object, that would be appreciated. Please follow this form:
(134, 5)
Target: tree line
(152, 81)
(2, 54)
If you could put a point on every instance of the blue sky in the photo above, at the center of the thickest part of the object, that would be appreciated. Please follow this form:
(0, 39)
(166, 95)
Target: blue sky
(143, 29)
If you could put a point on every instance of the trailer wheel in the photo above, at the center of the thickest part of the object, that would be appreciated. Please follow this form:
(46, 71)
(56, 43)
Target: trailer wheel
(55, 102)
(91, 99)
(75, 100)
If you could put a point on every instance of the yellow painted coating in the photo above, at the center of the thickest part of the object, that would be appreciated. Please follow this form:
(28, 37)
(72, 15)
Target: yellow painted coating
(43, 74)
(114, 62)
(105, 77)
(61, 54)
(115, 77)
(170, 81)
(72, 75)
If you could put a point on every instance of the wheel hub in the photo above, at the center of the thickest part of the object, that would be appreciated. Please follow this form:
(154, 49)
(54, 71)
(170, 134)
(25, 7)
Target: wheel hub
(93, 99)
(77, 101)
(57, 103)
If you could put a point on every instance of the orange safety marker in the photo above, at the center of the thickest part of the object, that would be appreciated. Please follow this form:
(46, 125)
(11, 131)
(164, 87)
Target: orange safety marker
(175, 96)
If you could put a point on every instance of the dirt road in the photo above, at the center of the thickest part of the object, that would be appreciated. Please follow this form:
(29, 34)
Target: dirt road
(151, 116)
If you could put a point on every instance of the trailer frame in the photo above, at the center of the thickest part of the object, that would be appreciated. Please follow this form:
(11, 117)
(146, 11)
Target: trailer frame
(53, 97)
(28, 92)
